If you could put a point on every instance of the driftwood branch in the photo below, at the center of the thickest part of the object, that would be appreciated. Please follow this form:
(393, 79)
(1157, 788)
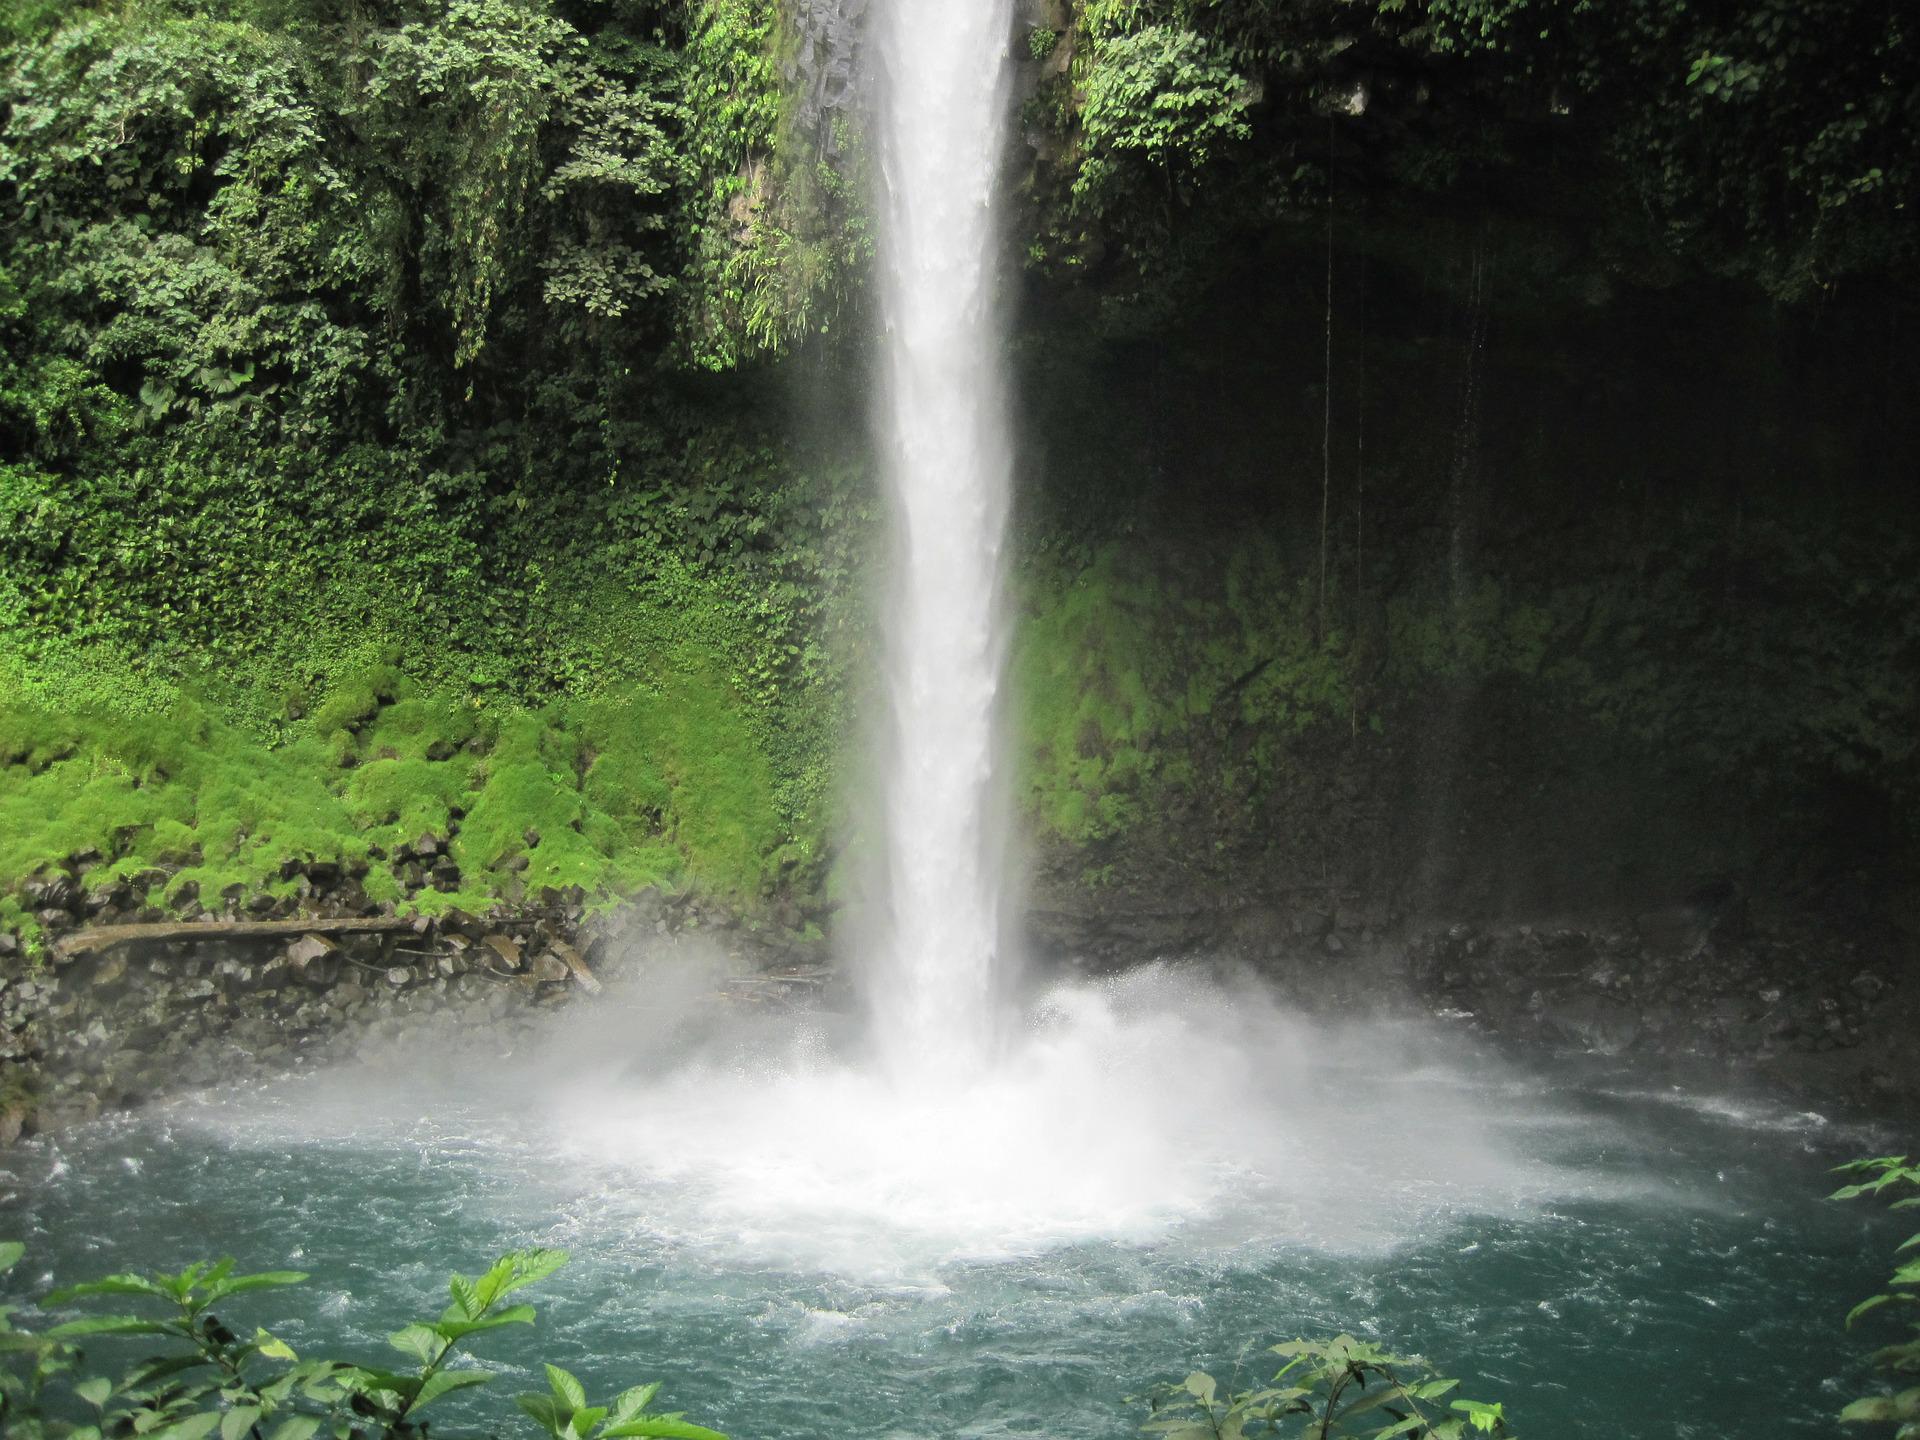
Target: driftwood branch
(105, 937)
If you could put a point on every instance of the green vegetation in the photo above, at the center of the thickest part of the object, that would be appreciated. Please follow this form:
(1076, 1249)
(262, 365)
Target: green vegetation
(398, 429)
(351, 412)
(1340, 1387)
(612, 794)
(1138, 672)
(213, 1381)
(1168, 679)
(1630, 131)
(1890, 1175)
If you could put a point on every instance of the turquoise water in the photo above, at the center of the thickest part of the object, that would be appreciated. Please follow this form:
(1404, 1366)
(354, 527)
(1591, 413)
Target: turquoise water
(1610, 1255)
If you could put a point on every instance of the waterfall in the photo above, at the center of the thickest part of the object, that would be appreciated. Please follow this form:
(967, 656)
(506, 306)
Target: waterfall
(941, 119)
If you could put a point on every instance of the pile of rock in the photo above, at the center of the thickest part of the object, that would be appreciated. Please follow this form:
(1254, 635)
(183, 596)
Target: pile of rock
(130, 1001)
(110, 1026)
(66, 898)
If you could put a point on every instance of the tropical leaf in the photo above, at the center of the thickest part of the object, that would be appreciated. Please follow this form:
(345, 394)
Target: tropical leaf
(194, 1427)
(95, 1390)
(567, 1391)
(460, 1329)
(423, 1342)
(445, 1382)
(632, 1403)
(271, 1348)
(112, 1325)
(664, 1427)
(245, 1284)
(110, 1285)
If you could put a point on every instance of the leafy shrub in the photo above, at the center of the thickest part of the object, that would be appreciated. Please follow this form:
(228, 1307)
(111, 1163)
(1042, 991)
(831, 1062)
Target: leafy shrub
(210, 1380)
(1162, 98)
(1890, 1174)
(1327, 1388)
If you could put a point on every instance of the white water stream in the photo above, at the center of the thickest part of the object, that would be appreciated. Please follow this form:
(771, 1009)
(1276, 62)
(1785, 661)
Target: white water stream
(941, 116)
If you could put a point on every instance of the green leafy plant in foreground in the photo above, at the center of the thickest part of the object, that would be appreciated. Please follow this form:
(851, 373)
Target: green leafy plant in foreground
(1890, 1175)
(565, 1414)
(1326, 1388)
(212, 1381)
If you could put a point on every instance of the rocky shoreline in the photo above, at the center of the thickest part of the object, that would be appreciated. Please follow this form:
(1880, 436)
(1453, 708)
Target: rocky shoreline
(122, 1009)
(112, 1017)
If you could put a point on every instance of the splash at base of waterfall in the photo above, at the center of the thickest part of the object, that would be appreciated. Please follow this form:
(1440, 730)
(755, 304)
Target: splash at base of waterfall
(796, 1248)
(1166, 1101)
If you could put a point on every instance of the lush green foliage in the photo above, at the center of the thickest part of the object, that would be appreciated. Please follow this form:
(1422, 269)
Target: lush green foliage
(345, 336)
(1632, 130)
(345, 339)
(211, 1380)
(1890, 1176)
(1160, 102)
(1341, 1387)
(782, 243)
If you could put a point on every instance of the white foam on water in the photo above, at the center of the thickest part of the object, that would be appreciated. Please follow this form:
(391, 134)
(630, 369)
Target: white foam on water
(1167, 1106)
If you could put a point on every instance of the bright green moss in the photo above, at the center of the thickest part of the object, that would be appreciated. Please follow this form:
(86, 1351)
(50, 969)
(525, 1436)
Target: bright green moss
(1133, 665)
(1085, 673)
(721, 786)
(393, 801)
(410, 728)
(523, 808)
(630, 789)
(358, 698)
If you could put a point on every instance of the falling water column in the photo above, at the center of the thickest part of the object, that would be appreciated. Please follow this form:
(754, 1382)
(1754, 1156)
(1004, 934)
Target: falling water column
(941, 113)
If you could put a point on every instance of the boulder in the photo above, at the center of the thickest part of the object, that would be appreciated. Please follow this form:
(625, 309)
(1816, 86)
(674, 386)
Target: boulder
(1592, 1022)
(55, 892)
(576, 966)
(315, 960)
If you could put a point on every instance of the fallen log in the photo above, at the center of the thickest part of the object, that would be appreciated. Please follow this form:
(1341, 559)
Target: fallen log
(105, 937)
